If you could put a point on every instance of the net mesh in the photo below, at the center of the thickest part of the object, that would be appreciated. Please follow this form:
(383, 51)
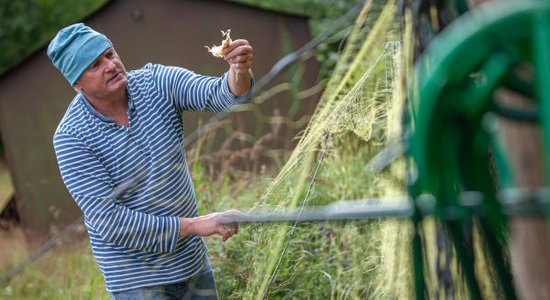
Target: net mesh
(357, 116)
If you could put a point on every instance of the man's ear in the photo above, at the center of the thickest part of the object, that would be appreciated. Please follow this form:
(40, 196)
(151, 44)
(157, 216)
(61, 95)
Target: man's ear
(77, 87)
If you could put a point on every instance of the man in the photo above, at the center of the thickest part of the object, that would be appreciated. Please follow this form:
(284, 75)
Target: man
(120, 153)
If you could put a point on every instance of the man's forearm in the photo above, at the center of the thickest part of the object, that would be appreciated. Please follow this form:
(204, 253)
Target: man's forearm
(239, 82)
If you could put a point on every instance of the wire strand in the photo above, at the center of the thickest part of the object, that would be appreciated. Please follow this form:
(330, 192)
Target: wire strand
(293, 230)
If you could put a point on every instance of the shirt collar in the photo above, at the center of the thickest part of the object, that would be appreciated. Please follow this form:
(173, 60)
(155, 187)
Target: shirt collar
(93, 111)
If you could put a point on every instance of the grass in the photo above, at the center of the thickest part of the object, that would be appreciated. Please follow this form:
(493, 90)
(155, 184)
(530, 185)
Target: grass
(68, 271)
(323, 261)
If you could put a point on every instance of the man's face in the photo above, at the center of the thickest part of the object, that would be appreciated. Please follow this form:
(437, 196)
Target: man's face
(105, 77)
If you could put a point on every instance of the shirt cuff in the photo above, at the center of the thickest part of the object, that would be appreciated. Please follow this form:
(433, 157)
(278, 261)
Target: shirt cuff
(172, 234)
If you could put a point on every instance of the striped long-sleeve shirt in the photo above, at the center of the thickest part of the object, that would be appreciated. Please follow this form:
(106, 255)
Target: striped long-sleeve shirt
(134, 236)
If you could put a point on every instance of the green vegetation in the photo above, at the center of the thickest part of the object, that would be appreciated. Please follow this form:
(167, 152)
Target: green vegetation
(60, 274)
(357, 113)
(26, 25)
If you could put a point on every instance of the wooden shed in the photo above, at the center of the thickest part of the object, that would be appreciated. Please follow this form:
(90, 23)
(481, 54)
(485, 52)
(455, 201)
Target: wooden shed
(34, 95)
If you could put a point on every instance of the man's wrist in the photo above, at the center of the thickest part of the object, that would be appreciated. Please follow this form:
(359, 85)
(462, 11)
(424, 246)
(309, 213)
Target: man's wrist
(186, 227)
(239, 82)
(241, 76)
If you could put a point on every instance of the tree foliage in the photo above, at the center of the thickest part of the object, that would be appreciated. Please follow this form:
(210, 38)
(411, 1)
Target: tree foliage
(26, 25)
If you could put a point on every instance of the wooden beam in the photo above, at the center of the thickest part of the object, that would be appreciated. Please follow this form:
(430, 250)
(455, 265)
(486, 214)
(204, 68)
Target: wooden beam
(6, 186)
(529, 245)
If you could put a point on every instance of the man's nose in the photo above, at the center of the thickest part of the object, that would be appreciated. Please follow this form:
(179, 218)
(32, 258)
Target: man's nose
(109, 65)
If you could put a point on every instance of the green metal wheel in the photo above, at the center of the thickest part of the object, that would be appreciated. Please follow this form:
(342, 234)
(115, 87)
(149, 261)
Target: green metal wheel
(450, 148)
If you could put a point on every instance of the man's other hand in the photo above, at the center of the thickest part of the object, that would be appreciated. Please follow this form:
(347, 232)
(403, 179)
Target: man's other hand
(222, 223)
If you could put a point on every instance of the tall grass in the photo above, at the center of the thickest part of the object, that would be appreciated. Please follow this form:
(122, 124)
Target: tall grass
(67, 272)
(323, 261)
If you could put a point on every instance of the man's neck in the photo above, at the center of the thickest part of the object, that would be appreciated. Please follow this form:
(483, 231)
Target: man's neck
(114, 107)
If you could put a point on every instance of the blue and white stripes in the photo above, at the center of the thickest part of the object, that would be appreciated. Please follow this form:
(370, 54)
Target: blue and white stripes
(134, 236)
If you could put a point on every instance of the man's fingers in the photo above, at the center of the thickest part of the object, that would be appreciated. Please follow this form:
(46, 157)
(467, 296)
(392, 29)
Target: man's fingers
(239, 52)
(233, 228)
(228, 230)
(220, 229)
(236, 44)
(241, 58)
(227, 234)
(235, 49)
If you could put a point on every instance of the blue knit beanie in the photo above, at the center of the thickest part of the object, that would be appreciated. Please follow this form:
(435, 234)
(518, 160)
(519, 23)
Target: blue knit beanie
(75, 48)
